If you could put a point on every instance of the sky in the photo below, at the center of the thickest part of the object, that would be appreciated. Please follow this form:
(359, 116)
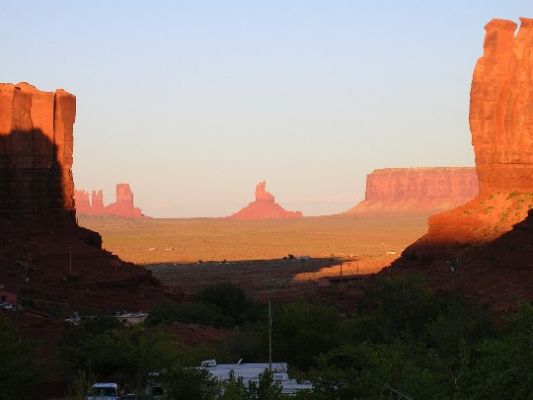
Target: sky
(194, 102)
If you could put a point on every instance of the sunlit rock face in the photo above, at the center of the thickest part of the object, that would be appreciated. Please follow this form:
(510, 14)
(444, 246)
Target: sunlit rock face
(416, 190)
(83, 204)
(501, 121)
(122, 207)
(97, 202)
(264, 207)
(501, 108)
(36, 144)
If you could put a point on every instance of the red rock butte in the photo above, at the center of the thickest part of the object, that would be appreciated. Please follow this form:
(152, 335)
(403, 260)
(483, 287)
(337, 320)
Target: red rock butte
(501, 108)
(122, 207)
(36, 142)
(264, 207)
(501, 124)
(63, 263)
(416, 190)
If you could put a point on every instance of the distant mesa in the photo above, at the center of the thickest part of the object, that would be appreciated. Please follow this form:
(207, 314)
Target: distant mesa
(122, 207)
(264, 207)
(416, 190)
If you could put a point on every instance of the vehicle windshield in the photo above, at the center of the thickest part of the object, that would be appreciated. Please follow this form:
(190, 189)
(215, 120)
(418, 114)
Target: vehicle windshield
(103, 391)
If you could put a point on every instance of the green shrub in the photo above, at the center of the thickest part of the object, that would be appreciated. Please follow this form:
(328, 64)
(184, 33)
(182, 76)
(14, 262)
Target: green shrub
(199, 313)
(19, 368)
(126, 353)
(179, 382)
(231, 300)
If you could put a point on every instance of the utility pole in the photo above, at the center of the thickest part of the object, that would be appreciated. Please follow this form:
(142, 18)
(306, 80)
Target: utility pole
(70, 261)
(270, 335)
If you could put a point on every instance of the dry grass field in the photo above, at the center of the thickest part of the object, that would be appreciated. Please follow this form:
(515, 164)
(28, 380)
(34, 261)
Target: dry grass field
(187, 254)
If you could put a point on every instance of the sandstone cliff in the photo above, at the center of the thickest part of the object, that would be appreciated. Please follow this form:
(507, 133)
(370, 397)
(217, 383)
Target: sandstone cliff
(42, 250)
(501, 121)
(416, 190)
(82, 202)
(122, 207)
(501, 108)
(264, 207)
(36, 142)
(474, 249)
(97, 202)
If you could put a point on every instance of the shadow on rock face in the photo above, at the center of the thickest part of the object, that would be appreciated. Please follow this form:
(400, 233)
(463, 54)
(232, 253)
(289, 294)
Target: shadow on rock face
(33, 185)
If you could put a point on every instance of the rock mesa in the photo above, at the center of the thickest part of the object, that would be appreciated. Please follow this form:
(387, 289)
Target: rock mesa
(264, 207)
(416, 190)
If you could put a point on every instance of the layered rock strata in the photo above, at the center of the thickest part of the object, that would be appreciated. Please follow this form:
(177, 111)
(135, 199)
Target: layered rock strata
(501, 122)
(501, 108)
(416, 190)
(264, 207)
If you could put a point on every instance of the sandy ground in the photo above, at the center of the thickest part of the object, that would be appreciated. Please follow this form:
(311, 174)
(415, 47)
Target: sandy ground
(153, 241)
(188, 254)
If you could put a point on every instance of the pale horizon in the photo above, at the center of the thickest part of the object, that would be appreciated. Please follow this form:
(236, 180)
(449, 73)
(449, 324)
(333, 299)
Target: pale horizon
(194, 104)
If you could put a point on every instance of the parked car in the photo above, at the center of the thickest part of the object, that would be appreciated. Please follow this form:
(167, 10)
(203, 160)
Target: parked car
(7, 306)
(104, 391)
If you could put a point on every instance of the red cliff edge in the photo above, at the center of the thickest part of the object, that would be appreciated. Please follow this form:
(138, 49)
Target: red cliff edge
(416, 190)
(501, 123)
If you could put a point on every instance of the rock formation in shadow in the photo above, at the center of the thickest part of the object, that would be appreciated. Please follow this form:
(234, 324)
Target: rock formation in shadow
(264, 207)
(45, 256)
(36, 155)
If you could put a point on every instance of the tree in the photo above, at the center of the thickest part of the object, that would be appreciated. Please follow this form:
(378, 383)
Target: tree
(230, 299)
(179, 382)
(234, 389)
(504, 367)
(265, 388)
(18, 365)
(301, 331)
(123, 353)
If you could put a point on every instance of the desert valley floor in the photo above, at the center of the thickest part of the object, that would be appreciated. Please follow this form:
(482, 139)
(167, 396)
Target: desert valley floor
(187, 253)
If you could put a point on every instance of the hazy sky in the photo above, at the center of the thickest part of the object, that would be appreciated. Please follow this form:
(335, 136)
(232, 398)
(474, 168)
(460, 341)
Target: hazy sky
(194, 102)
